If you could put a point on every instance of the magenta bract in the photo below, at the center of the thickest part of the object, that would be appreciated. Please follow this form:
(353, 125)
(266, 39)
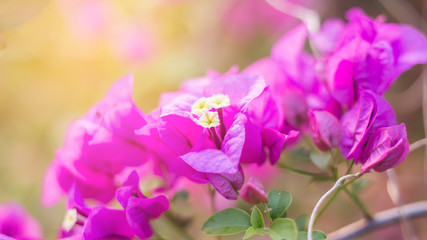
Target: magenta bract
(325, 130)
(253, 192)
(369, 113)
(16, 223)
(387, 147)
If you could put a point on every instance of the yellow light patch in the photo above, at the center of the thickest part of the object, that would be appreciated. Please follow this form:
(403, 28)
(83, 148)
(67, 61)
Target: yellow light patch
(70, 219)
(200, 106)
(218, 101)
(209, 119)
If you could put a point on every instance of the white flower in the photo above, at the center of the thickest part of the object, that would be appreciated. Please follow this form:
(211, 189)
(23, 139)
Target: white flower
(70, 219)
(200, 106)
(218, 101)
(209, 119)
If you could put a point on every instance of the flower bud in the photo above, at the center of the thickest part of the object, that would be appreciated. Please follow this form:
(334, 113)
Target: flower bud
(253, 192)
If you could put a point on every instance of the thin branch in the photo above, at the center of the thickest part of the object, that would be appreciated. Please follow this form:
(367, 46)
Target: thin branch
(381, 219)
(331, 199)
(319, 203)
(395, 195)
(302, 172)
(417, 144)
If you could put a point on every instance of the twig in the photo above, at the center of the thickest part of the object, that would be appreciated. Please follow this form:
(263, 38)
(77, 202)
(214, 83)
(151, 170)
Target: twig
(358, 203)
(417, 144)
(381, 219)
(395, 195)
(331, 199)
(421, 143)
(424, 108)
(319, 203)
(302, 172)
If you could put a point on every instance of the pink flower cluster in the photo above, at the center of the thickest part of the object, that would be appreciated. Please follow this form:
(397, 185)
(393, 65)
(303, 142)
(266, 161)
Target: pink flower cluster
(216, 125)
(15, 223)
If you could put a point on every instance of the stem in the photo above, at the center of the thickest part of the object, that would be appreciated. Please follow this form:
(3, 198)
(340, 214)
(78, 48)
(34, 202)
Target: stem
(359, 203)
(350, 167)
(334, 196)
(335, 172)
(417, 144)
(331, 199)
(302, 172)
(222, 129)
(211, 193)
(316, 208)
(268, 213)
(215, 137)
(395, 195)
(334, 167)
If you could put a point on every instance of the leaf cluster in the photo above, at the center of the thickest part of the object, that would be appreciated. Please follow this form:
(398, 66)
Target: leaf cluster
(278, 226)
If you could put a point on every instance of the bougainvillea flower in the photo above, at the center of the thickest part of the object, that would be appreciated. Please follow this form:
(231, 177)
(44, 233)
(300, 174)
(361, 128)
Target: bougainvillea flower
(97, 147)
(227, 184)
(76, 214)
(105, 223)
(371, 54)
(369, 113)
(138, 208)
(98, 222)
(15, 223)
(217, 127)
(340, 70)
(327, 37)
(387, 147)
(275, 142)
(294, 80)
(253, 192)
(325, 130)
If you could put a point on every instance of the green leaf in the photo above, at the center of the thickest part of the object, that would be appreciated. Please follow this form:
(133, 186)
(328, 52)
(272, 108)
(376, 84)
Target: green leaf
(320, 159)
(256, 231)
(278, 201)
(301, 222)
(317, 235)
(257, 220)
(228, 221)
(250, 232)
(285, 228)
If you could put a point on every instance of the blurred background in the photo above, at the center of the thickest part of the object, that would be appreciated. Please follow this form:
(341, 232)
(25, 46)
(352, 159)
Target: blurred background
(59, 57)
